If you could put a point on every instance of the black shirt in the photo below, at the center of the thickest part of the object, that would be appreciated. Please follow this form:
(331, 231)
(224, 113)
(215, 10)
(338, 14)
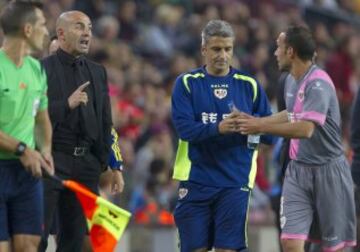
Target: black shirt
(75, 73)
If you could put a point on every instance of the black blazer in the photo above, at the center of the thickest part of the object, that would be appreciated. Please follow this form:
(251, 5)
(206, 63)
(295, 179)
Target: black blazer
(58, 106)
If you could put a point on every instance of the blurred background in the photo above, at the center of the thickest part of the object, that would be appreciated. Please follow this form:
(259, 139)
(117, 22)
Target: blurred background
(146, 44)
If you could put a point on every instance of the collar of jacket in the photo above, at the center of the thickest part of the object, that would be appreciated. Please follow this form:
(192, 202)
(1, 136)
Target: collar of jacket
(69, 59)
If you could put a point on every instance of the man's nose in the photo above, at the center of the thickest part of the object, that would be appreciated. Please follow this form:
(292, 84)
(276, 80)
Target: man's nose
(222, 54)
(87, 32)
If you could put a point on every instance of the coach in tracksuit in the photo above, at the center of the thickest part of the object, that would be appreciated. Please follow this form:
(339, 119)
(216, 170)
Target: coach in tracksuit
(214, 163)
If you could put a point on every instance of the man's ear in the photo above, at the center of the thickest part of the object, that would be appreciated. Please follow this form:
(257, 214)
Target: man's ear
(203, 50)
(290, 51)
(60, 33)
(28, 30)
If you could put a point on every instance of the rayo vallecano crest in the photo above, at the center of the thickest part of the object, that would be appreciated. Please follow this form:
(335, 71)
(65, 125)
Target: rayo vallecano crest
(182, 193)
(220, 92)
(301, 95)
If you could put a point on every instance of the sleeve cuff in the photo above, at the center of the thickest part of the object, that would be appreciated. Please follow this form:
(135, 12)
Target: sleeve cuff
(118, 168)
(309, 116)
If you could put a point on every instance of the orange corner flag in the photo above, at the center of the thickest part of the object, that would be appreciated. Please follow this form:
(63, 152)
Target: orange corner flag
(106, 221)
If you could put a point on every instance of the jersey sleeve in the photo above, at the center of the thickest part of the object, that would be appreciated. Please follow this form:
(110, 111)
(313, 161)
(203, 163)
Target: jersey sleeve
(115, 160)
(262, 108)
(183, 115)
(262, 105)
(316, 102)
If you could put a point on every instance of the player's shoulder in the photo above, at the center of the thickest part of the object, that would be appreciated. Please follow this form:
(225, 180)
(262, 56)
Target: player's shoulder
(33, 62)
(48, 61)
(317, 73)
(242, 75)
(186, 79)
(246, 79)
(191, 74)
(2, 56)
(319, 77)
(35, 65)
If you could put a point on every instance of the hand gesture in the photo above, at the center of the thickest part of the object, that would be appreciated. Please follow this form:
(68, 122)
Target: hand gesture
(249, 125)
(228, 125)
(79, 96)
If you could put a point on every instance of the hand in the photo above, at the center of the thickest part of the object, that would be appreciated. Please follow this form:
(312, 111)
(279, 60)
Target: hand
(117, 183)
(79, 96)
(112, 181)
(229, 124)
(243, 115)
(249, 125)
(33, 161)
(49, 161)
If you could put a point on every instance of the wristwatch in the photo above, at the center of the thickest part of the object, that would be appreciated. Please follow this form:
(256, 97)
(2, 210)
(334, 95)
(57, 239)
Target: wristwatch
(20, 149)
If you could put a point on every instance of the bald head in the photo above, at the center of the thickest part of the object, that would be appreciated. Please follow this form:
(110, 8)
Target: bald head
(73, 29)
(67, 17)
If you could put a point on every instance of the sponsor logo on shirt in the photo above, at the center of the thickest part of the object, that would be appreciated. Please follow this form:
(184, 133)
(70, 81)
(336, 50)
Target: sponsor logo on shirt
(289, 95)
(330, 238)
(211, 117)
(213, 86)
(317, 86)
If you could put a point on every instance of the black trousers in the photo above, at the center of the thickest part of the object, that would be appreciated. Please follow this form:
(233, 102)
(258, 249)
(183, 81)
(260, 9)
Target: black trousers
(63, 202)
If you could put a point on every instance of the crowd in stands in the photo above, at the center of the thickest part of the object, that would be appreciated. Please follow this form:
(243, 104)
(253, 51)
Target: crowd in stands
(146, 44)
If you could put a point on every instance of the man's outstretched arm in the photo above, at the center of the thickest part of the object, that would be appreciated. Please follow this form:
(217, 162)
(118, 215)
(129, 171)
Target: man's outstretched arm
(276, 124)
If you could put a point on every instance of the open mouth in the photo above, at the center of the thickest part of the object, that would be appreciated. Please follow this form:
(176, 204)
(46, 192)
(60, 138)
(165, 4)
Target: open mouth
(84, 42)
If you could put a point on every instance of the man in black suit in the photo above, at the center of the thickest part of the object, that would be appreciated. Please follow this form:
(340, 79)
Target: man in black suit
(80, 113)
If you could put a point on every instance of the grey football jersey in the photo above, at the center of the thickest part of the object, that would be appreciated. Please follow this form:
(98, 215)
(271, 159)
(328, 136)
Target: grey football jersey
(313, 98)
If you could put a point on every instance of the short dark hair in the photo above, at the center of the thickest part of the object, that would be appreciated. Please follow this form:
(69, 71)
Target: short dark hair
(15, 14)
(302, 41)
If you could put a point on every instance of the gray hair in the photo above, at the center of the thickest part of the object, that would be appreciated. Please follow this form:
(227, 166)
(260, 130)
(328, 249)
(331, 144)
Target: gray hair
(218, 28)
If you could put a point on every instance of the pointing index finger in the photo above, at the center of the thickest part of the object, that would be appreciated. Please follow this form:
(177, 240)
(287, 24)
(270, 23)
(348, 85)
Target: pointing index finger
(83, 86)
